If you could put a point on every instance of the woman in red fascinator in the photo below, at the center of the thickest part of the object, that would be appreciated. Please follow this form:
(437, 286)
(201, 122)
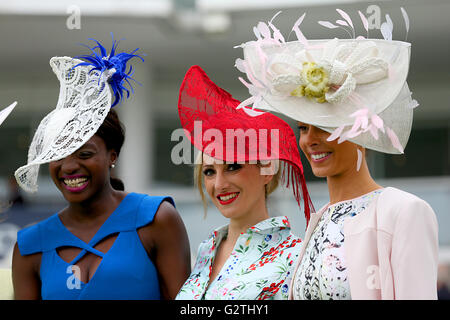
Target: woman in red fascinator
(243, 157)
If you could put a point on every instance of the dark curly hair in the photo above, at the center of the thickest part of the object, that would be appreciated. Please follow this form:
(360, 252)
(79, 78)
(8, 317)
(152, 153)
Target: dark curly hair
(112, 132)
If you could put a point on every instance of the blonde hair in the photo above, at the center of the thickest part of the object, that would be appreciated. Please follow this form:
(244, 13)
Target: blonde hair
(270, 187)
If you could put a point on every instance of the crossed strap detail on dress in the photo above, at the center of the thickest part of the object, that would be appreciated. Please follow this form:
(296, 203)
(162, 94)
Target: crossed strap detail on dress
(126, 269)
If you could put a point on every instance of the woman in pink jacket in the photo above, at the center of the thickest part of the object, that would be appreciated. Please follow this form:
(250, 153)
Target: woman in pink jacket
(349, 95)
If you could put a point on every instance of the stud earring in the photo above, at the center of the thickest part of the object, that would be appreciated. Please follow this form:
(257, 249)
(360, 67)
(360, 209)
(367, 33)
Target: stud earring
(113, 166)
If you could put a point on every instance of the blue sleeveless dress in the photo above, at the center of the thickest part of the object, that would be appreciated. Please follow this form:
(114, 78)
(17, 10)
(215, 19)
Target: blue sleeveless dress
(125, 271)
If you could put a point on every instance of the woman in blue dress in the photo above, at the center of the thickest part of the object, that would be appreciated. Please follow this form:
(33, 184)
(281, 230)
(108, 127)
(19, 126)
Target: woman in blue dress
(106, 243)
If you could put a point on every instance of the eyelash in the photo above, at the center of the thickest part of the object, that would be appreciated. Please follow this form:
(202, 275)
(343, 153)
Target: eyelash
(236, 166)
(207, 171)
(302, 128)
(85, 154)
(233, 167)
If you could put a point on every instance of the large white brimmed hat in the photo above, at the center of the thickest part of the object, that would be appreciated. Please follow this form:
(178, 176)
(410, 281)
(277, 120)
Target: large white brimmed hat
(353, 88)
(85, 99)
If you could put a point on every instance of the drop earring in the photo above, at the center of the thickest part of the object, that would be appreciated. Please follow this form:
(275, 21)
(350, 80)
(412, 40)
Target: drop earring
(360, 158)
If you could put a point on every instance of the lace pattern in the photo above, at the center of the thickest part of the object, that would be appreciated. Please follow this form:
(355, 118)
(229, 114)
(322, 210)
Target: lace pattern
(83, 104)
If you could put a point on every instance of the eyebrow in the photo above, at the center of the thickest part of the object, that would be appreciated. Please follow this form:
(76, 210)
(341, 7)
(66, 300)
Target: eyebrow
(89, 145)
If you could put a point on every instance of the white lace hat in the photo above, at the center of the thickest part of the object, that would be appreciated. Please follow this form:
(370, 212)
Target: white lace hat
(352, 88)
(85, 99)
(5, 112)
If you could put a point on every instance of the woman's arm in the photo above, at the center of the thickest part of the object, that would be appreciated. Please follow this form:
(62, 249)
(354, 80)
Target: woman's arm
(25, 275)
(414, 256)
(167, 243)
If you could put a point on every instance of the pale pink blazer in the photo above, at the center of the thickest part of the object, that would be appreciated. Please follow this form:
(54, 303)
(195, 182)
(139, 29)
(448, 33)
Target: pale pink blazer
(391, 248)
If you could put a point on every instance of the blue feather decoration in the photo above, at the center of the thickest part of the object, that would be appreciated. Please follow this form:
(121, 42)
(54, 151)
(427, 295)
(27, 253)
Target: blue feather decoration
(115, 66)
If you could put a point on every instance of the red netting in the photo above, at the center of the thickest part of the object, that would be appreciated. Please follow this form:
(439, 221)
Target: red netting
(214, 126)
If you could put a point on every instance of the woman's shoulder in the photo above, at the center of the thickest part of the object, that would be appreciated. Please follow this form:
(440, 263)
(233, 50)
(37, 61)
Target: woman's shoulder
(30, 239)
(148, 205)
(400, 206)
(144, 199)
(399, 200)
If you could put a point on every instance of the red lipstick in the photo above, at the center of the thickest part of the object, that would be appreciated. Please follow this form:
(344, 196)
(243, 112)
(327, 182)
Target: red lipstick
(234, 195)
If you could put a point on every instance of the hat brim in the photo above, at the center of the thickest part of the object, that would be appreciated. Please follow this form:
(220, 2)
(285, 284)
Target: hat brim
(398, 117)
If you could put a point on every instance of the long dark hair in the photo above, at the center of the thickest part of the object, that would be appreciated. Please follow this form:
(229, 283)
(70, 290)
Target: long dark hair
(112, 132)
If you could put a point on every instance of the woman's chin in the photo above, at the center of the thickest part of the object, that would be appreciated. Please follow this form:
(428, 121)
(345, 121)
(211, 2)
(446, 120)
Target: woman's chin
(229, 212)
(75, 196)
(226, 212)
(320, 173)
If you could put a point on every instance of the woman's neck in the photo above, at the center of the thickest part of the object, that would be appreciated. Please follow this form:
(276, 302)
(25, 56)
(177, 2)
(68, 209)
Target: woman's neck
(240, 225)
(351, 184)
(102, 204)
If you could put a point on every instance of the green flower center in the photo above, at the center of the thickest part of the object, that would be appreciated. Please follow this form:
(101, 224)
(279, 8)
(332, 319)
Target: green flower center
(315, 82)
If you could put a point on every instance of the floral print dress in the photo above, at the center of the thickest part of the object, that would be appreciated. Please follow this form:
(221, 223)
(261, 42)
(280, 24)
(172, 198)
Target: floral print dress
(260, 266)
(322, 274)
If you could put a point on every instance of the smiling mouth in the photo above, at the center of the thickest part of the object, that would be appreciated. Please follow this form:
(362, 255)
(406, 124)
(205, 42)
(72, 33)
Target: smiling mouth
(317, 157)
(227, 198)
(75, 184)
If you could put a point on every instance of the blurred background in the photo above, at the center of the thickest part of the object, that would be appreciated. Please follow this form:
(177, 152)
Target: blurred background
(176, 34)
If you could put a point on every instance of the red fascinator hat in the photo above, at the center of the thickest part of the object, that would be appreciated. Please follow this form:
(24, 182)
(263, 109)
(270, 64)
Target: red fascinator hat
(215, 127)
